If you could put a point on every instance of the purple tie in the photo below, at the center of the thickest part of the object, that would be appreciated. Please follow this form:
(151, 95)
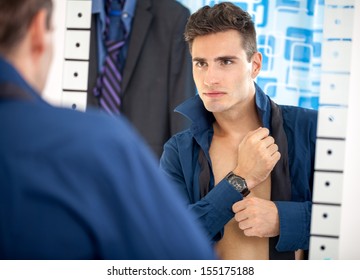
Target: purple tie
(108, 83)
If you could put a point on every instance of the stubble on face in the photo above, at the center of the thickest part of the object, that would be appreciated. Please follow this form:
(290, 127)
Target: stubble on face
(221, 70)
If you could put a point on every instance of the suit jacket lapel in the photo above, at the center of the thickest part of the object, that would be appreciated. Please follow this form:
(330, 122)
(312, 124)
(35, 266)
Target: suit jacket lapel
(141, 24)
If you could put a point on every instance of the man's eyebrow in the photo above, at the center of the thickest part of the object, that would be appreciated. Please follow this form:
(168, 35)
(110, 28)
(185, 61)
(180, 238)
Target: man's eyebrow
(226, 57)
(198, 59)
(220, 58)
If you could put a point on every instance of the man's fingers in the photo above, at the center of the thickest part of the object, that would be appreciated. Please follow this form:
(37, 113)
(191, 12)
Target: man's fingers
(272, 149)
(258, 134)
(244, 224)
(267, 141)
(238, 206)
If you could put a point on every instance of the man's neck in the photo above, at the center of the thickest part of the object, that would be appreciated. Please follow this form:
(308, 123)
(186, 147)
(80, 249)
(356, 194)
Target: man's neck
(238, 121)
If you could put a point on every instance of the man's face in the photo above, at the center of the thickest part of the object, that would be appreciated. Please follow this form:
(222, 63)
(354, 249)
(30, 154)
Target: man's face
(222, 73)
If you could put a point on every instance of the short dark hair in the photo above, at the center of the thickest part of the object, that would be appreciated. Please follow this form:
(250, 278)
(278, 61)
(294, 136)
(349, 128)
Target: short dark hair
(219, 18)
(16, 17)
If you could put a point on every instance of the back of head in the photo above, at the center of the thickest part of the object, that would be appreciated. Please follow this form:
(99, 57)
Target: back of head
(15, 19)
(219, 18)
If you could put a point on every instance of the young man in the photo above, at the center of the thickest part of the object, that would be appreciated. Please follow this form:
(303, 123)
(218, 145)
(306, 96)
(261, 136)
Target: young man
(74, 185)
(250, 191)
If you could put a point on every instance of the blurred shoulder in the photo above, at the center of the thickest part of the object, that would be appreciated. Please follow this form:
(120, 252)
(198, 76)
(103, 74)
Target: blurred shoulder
(93, 125)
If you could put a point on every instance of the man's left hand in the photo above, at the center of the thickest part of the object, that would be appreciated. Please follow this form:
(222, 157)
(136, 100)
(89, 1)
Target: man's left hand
(257, 217)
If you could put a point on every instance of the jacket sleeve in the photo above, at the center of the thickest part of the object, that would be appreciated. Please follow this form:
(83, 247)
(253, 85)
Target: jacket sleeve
(212, 211)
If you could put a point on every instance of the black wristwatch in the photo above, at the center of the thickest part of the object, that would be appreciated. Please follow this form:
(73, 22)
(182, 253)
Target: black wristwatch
(238, 183)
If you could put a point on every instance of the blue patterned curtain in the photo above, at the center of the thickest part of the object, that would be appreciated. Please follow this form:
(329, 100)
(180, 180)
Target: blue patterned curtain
(289, 37)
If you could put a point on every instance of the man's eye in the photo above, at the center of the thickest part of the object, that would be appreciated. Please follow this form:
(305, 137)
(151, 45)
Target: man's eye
(227, 62)
(200, 64)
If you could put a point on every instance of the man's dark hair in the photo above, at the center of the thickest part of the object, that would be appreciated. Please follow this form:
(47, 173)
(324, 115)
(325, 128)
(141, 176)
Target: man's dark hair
(16, 17)
(219, 18)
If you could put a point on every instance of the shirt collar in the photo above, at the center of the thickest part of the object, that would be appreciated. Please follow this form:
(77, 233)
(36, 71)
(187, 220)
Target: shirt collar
(263, 106)
(10, 75)
(98, 7)
(202, 119)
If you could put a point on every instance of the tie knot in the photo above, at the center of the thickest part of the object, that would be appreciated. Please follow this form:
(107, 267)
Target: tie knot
(109, 4)
(115, 29)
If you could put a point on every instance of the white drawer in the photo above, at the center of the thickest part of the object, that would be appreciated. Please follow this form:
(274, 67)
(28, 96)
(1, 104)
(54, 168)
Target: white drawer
(325, 220)
(329, 155)
(328, 187)
(78, 14)
(336, 56)
(323, 248)
(75, 75)
(338, 22)
(75, 100)
(332, 122)
(334, 89)
(77, 44)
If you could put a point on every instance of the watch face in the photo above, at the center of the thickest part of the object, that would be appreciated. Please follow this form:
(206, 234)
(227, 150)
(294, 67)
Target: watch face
(238, 183)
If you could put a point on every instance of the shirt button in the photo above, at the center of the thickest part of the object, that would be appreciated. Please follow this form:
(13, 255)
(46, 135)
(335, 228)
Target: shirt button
(125, 15)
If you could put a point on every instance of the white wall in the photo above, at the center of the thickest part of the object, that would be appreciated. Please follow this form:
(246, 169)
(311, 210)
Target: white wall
(349, 243)
(53, 89)
(335, 223)
(68, 77)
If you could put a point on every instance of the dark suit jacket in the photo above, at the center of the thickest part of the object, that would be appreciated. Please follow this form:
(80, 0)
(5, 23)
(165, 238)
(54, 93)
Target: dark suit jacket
(158, 73)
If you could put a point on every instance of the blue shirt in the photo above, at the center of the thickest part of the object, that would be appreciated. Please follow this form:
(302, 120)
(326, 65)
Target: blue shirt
(83, 186)
(180, 162)
(126, 16)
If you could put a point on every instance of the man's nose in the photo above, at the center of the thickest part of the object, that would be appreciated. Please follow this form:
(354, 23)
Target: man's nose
(212, 76)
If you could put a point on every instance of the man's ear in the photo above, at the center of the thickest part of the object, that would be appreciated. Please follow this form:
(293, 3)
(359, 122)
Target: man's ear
(256, 64)
(37, 34)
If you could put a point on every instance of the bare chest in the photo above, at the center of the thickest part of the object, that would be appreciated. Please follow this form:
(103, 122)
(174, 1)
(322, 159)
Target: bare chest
(224, 157)
(223, 154)
(234, 244)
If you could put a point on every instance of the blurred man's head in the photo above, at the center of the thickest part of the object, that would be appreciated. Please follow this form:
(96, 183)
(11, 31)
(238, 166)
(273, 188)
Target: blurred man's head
(25, 37)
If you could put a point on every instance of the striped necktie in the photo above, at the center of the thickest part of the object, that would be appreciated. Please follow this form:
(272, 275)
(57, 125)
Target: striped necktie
(108, 88)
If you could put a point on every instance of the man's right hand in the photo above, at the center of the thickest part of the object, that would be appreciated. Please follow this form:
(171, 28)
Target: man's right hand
(257, 156)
